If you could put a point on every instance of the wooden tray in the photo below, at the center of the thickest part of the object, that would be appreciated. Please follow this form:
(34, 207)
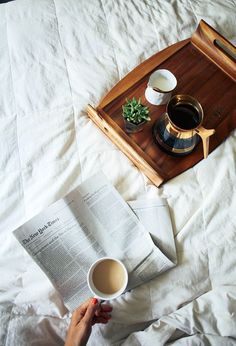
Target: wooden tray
(205, 68)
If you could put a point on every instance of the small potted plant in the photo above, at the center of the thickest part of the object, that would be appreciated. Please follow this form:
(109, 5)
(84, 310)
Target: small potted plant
(135, 115)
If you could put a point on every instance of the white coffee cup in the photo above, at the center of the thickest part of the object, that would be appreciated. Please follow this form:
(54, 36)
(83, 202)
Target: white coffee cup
(160, 86)
(107, 278)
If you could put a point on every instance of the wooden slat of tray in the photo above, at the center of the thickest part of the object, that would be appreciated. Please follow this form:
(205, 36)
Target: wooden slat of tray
(212, 83)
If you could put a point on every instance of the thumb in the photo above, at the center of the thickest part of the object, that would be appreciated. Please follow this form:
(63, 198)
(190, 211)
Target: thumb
(92, 307)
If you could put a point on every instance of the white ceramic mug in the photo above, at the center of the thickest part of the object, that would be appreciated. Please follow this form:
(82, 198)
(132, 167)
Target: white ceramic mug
(107, 274)
(160, 86)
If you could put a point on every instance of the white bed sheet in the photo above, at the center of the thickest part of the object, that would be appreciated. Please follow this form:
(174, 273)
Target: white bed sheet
(57, 56)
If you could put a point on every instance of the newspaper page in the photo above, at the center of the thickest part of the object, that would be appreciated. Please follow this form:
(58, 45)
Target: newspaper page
(91, 222)
(155, 216)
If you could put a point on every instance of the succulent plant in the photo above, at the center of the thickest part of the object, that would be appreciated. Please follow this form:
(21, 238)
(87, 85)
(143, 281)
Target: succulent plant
(134, 112)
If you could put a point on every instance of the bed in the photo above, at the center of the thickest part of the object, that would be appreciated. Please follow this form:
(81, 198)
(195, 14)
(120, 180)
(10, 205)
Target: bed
(56, 57)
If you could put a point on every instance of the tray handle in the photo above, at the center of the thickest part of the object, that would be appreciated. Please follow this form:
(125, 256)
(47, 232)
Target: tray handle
(220, 45)
(215, 47)
(141, 162)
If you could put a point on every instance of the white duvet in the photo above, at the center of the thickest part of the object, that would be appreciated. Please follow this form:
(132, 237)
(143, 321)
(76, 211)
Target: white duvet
(55, 57)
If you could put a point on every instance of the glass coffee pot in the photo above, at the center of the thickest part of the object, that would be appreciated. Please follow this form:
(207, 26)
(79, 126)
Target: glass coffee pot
(179, 129)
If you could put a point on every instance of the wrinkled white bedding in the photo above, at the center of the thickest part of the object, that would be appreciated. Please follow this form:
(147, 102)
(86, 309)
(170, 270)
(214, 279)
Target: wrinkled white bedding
(57, 56)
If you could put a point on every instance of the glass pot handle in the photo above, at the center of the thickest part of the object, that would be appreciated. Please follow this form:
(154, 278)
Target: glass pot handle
(205, 134)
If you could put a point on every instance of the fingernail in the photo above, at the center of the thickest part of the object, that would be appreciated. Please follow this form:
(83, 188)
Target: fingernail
(94, 301)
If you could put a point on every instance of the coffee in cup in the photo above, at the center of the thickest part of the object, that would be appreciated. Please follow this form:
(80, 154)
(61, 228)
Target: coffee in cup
(107, 278)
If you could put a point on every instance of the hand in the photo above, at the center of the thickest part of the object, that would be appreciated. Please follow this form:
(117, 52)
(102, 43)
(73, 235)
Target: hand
(83, 318)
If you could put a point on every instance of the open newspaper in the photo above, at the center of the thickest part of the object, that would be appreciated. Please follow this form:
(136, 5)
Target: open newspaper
(94, 221)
